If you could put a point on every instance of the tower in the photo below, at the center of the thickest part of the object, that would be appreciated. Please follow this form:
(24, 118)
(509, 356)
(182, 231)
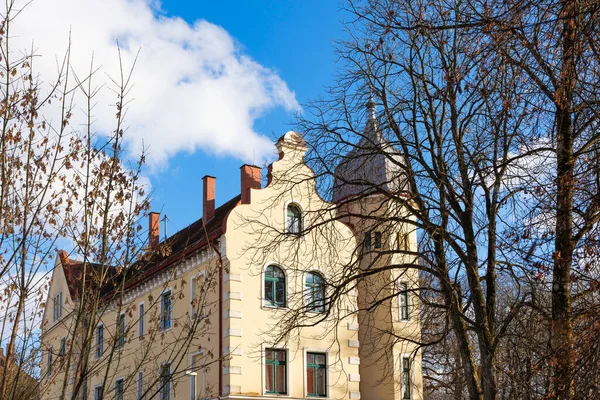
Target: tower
(371, 190)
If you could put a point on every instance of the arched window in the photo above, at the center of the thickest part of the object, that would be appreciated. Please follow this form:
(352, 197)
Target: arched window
(274, 287)
(294, 219)
(315, 292)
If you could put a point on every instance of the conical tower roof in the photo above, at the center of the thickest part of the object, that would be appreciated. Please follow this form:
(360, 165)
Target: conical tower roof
(372, 166)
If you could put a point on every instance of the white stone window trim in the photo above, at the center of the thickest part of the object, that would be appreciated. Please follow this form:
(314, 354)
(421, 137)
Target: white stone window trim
(202, 393)
(120, 378)
(330, 361)
(141, 320)
(100, 324)
(263, 300)
(98, 386)
(304, 294)
(411, 360)
(193, 278)
(302, 208)
(288, 370)
(160, 327)
(117, 317)
(160, 387)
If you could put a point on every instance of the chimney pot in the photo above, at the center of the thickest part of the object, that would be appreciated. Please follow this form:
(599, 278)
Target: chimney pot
(251, 176)
(208, 198)
(153, 230)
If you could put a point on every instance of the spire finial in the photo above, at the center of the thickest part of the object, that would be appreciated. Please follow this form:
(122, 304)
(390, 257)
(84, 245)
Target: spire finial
(371, 106)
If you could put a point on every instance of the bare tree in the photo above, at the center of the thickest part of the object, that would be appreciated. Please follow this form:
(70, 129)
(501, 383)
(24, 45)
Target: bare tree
(64, 184)
(485, 116)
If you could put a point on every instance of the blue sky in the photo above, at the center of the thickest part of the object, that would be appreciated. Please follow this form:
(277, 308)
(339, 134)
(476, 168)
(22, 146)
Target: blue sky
(215, 82)
(294, 38)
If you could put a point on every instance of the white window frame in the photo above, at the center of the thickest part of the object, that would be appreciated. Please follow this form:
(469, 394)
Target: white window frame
(63, 346)
(202, 354)
(50, 361)
(263, 300)
(329, 359)
(119, 379)
(162, 329)
(57, 306)
(140, 385)
(305, 300)
(160, 386)
(401, 300)
(202, 306)
(117, 321)
(411, 361)
(141, 320)
(302, 215)
(288, 370)
(101, 343)
(96, 387)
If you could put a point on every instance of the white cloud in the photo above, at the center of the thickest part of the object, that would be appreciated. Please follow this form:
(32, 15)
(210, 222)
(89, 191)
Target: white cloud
(193, 87)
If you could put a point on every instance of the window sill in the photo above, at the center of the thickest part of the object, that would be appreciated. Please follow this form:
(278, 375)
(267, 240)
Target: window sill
(273, 308)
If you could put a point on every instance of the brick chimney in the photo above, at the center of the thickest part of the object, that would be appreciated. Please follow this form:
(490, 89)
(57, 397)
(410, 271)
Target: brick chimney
(208, 198)
(153, 230)
(250, 175)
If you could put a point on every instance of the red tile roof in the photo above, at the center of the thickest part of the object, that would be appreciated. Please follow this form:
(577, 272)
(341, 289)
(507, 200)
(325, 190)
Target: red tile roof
(177, 247)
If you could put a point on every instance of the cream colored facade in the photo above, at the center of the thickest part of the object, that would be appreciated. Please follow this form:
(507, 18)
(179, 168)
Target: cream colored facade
(236, 326)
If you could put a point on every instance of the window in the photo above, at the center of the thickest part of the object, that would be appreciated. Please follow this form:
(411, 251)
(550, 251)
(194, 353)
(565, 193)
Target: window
(197, 369)
(57, 306)
(406, 379)
(98, 392)
(99, 340)
(377, 240)
(315, 292)
(141, 316)
(274, 287)
(316, 374)
(403, 302)
(63, 347)
(276, 371)
(165, 310)
(120, 331)
(367, 241)
(140, 386)
(197, 291)
(165, 382)
(294, 219)
(50, 361)
(119, 389)
(403, 241)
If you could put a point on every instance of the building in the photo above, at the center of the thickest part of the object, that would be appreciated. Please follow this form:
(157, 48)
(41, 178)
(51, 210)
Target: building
(204, 319)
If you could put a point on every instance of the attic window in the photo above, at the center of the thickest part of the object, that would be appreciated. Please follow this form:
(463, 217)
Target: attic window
(294, 219)
(57, 310)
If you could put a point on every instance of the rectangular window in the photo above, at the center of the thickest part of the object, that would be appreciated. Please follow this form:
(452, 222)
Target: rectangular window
(99, 340)
(98, 391)
(63, 346)
(377, 240)
(120, 331)
(403, 302)
(119, 389)
(198, 381)
(165, 310)
(198, 295)
(57, 306)
(50, 361)
(403, 241)
(165, 382)
(406, 380)
(316, 374)
(141, 316)
(276, 371)
(367, 241)
(140, 386)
